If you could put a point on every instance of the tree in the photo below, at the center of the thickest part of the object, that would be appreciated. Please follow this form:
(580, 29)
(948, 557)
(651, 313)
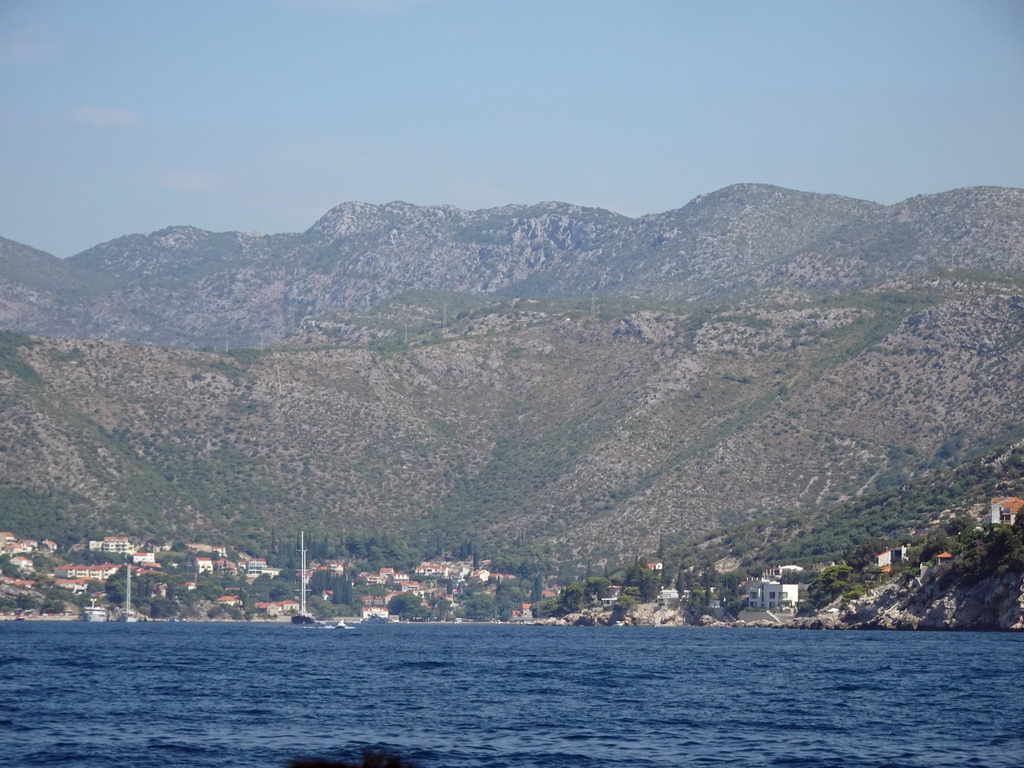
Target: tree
(507, 598)
(480, 607)
(626, 601)
(863, 555)
(571, 598)
(115, 588)
(595, 588)
(442, 608)
(832, 582)
(408, 607)
(162, 608)
(648, 582)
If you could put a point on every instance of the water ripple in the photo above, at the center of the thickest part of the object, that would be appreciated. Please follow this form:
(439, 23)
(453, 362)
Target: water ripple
(221, 696)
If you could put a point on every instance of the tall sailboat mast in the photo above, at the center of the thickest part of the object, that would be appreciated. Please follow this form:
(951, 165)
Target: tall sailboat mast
(302, 572)
(302, 617)
(127, 615)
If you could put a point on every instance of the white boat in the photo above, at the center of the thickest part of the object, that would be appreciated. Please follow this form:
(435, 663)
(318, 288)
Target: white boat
(93, 612)
(303, 616)
(127, 616)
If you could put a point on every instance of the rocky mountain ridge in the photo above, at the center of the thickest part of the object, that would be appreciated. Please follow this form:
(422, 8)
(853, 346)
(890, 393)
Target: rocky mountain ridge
(183, 286)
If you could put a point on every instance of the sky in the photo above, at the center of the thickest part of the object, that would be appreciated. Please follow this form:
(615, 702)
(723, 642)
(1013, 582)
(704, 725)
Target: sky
(261, 115)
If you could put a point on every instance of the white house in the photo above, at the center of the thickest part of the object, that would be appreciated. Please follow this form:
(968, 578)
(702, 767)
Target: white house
(890, 556)
(668, 596)
(783, 573)
(1004, 510)
(119, 545)
(94, 572)
(766, 594)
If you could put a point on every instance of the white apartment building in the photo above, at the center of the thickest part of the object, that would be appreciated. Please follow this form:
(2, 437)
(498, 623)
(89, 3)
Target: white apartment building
(769, 595)
(119, 545)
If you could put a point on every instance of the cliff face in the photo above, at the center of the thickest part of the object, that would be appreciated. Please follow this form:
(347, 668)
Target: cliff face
(994, 603)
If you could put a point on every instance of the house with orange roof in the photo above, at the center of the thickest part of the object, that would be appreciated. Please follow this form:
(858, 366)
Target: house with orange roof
(431, 570)
(1004, 510)
(278, 608)
(27, 583)
(890, 556)
(93, 572)
(523, 613)
(941, 559)
(372, 579)
(232, 600)
(74, 586)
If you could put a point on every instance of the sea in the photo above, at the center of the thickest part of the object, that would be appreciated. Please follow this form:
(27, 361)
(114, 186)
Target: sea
(162, 695)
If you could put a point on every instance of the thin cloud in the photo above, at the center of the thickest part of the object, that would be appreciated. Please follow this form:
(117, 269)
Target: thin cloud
(101, 117)
(35, 44)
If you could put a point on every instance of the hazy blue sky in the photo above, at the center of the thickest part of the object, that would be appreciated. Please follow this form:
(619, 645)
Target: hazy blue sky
(122, 117)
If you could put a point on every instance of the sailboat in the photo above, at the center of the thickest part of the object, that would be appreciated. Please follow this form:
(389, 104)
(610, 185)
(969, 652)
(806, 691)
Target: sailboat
(127, 615)
(303, 616)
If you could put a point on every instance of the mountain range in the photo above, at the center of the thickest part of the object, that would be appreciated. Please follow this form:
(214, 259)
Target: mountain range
(553, 374)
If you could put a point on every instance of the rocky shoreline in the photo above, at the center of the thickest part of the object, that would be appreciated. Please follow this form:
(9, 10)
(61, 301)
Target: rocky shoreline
(995, 603)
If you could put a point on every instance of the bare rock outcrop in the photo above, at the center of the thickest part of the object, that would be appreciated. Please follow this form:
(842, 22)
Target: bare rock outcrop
(993, 603)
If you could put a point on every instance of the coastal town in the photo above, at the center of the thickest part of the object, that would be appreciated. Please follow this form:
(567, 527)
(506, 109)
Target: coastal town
(103, 578)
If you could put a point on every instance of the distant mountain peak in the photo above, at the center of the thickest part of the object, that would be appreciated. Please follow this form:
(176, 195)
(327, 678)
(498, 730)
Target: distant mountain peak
(743, 239)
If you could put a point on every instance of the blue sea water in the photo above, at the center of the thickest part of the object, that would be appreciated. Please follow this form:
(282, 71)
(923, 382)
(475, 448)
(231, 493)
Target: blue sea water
(84, 695)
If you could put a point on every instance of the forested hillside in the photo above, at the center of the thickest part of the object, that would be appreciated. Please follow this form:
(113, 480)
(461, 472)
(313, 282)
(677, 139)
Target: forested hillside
(596, 427)
(549, 377)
